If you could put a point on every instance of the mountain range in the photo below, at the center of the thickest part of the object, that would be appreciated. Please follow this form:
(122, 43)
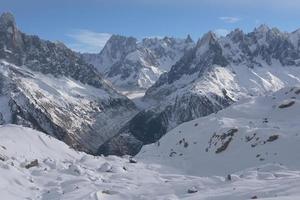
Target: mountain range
(136, 65)
(87, 110)
(211, 76)
(211, 119)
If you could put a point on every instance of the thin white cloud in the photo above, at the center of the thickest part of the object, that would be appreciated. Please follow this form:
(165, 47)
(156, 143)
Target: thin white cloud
(221, 32)
(230, 20)
(87, 41)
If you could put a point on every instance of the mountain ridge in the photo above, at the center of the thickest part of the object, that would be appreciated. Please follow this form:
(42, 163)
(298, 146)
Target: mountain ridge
(47, 86)
(213, 75)
(129, 63)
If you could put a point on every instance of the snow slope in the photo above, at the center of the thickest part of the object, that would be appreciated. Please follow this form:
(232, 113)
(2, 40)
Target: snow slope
(79, 114)
(63, 173)
(252, 132)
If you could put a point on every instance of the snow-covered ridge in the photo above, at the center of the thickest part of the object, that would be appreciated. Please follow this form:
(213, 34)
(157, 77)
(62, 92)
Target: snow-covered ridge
(249, 133)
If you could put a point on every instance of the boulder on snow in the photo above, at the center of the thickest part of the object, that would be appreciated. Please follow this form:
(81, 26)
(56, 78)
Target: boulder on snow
(132, 160)
(33, 163)
(192, 190)
(75, 169)
(105, 167)
(272, 138)
(286, 104)
(228, 177)
(1, 119)
(3, 157)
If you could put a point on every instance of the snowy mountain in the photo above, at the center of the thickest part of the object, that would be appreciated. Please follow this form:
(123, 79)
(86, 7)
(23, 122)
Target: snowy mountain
(47, 86)
(213, 75)
(136, 65)
(253, 132)
(37, 166)
(241, 91)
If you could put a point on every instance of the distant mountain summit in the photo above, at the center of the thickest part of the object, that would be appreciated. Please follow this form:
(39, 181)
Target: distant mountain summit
(135, 65)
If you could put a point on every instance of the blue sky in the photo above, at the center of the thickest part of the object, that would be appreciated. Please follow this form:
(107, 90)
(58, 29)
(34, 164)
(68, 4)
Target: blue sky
(85, 25)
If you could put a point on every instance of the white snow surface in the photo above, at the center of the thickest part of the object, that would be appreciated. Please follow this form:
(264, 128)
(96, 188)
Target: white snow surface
(63, 173)
(265, 130)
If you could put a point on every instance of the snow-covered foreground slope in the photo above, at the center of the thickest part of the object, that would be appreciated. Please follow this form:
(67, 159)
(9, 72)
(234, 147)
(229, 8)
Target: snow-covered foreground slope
(253, 132)
(62, 173)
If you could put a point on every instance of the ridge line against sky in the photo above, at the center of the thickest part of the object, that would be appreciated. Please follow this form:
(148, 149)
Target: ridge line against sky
(85, 25)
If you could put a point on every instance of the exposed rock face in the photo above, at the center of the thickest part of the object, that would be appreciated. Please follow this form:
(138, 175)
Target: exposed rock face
(216, 73)
(43, 56)
(133, 65)
(47, 86)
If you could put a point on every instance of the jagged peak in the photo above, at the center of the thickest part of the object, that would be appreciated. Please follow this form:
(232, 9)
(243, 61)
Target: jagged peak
(236, 31)
(169, 40)
(150, 40)
(207, 38)
(7, 20)
(189, 39)
(118, 41)
(120, 38)
(262, 28)
(236, 35)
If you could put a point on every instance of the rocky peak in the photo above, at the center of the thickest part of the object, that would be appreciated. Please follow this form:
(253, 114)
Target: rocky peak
(263, 28)
(10, 37)
(207, 39)
(208, 44)
(189, 39)
(116, 48)
(169, 40)
(122, 42)
(236, 35)
(7, 20)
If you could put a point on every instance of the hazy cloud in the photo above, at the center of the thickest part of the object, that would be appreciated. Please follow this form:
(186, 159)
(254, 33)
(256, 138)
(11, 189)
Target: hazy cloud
(230, 20)
(87, 41)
